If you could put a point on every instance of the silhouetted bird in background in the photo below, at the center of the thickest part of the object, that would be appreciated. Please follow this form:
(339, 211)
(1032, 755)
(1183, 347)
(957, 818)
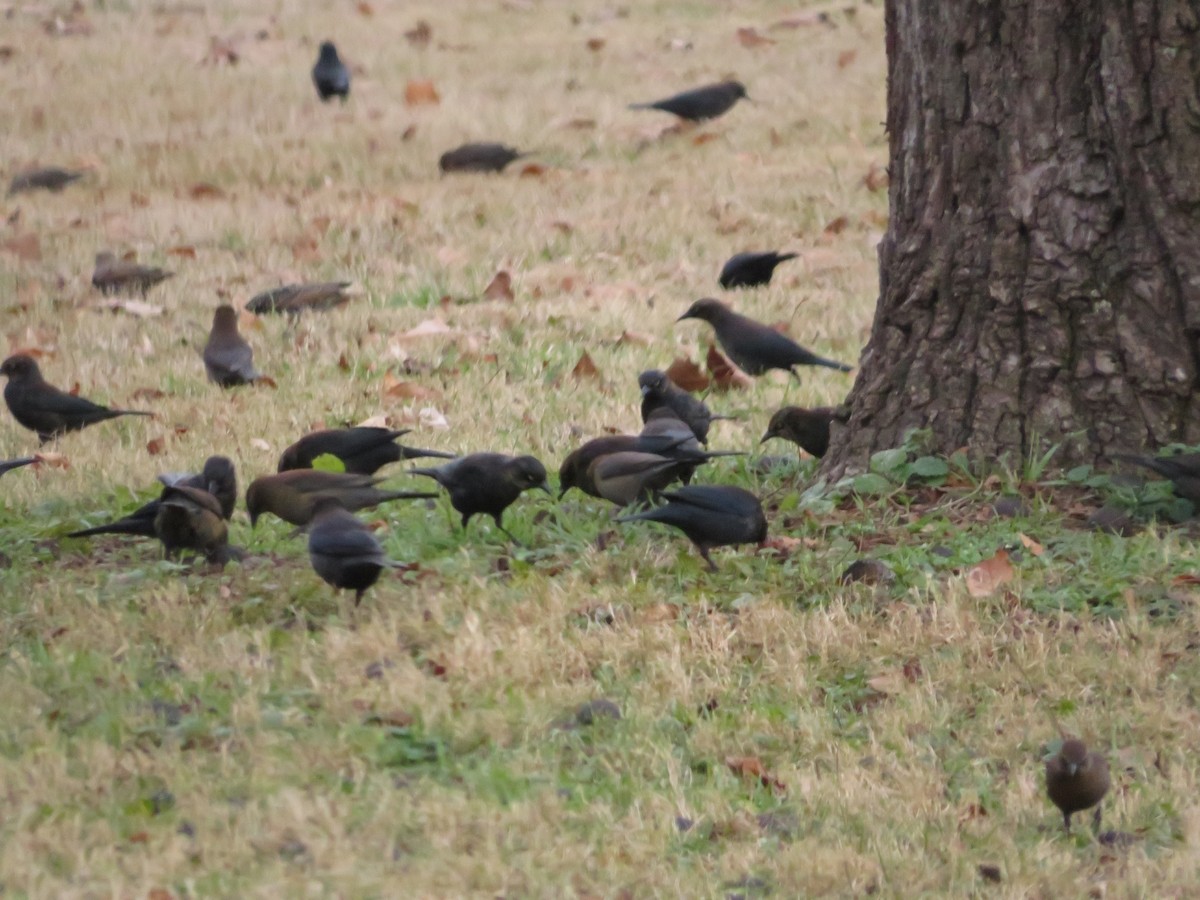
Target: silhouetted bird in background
(1076, 780)
(754, 347)
(342, 549)
(700, 103)
(1182, 469)
(294, 299)
(488, 483)
(659, 391)
(218, 478)
(112, 275)
(711, 516)
(808, 429)
(292, 495)
(362, 450)
(751, 269)
(9, 464)
(484, 157)
(45, 409)
(228, 357)
(190, 518)
(48, 179)
(330, 75)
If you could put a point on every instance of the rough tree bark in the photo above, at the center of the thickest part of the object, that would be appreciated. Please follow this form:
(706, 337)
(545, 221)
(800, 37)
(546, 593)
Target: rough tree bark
(1040, 275)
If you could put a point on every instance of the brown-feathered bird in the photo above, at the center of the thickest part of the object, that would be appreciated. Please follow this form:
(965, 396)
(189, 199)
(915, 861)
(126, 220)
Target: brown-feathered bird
(342, 549)
(629, 477)
(700, 103)
(1076, 780)
(228, 357)
(294, 299)
(292, 495)
(808, 429)
(362, 450)
(190, 518)
(218, 477)
(711, 516)
(754, 347)
(43, 408)
(112, 275)
(751, 269)
(50, 178)
(662, 439)
(9, 464)
(482, 157)
(1183, 470)
(487, 483)
(659, 391)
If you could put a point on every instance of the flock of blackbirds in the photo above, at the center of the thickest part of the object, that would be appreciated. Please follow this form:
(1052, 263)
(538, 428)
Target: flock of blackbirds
(633, 471)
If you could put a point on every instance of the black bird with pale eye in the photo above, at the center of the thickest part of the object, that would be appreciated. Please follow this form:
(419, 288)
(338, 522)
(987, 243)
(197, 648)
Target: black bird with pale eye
(190, 518)
(218, 478)
(700, 103)
(754, 347)
(488, 483)
(46, 410)
(342, 549)
(9, 464)
(51, 179)
(711, 516)
(228, 357)
(363, 450)
(1183, 470)
(481, 157)
(808, 429)
(1076, 779)
(293, 495)
(658, 391)
(112, 275)
(330, 75)
(751, 269)
(294, 299)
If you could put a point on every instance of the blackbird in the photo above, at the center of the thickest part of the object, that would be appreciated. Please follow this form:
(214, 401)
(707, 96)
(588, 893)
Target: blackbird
(1076, 780)
(342, 549)
(659, 391)
(47, 179)
(292, 495)
(330, 75)
(362, 450)
(228, 357)
(485, 157)
(751, 269)
(753, 346)
(45, 409)
(808, 429)
(700, 103)
(218, 478)
(1182, 469)
(9, 464)
(190, 518)
(294, 299)
(574, 471)
(112, 275)
(487, 483)
(711, 516)
(629, 477)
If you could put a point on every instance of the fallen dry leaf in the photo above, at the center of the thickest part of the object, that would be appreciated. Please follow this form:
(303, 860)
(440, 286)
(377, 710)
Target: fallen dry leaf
(687, 375)
(1031, 545)
(846, 57)
(155, 446)
(888, 682)
(53, 460)
(703, 138)
(431, 417)
(24, 246)
(837, 226)
(532, 170)
(725, 375)
(636, 338)
(595, 44)
(749, 37)
(984, 578)
(752, 767)
(420, 34)
(186, 251)
(585, 368)
(396, 389)
(365, 9)
(876, 178)
(499, 288)
(148, 394)
(427, 328)
(421, 93)
(205, 191)
(781, 545)
(260, 444)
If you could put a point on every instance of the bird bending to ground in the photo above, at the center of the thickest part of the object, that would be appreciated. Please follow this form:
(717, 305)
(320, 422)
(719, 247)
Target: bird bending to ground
(1183, 470)
(1076, 780)
(112, 275)
(486, 157)
(487, 483)
(808, 429)
(50, 178)
(754, 347)
(294, 299)
(43, 408)
(293, 495)
(191, 518)
(700, 103)
(362, 450)
(330, 75)
(751, 269)
(342, 549)
(711, 516)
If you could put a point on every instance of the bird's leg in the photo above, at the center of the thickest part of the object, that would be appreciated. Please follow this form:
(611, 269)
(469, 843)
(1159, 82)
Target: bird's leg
(712, 566)
(511, 536)
(1067, 822)
(1096, 819)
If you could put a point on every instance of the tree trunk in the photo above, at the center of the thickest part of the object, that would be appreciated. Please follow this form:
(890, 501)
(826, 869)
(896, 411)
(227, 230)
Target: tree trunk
(1040, 275)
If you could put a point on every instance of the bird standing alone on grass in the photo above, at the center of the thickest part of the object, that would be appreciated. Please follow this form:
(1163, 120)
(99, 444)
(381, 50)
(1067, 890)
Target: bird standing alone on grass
(45, 409)
(330, 75)
(711, 516)
(484, 157)
(50, 179)
(342, 549)
(1076, 779)
(751, 269)
(228, 357)
(700, 103)
(111, 275)
(488, 483)
(754, 347)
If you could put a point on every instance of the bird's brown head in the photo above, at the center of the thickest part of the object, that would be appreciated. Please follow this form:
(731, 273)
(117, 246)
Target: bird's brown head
(569, 472)
(1074, 754)
(528, 472)
(257, 501)
(708, 309)
(777, 427)
(20, 367)
(225, 319)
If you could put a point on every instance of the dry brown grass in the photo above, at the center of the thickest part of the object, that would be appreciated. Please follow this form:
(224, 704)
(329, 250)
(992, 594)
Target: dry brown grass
(275, 718)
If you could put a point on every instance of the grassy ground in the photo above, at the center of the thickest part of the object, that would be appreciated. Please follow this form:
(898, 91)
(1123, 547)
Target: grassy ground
(167, 732)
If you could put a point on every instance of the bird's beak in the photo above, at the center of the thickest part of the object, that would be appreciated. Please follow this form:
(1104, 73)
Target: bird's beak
(562, 492)
(545, 486)
(1072, 769)
(645, 389)
(686, 315)
(766, 437)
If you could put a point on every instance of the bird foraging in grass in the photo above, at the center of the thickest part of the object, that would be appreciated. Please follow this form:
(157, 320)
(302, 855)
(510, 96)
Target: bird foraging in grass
(362, 450)
(711, 516)
(1076, 779)
(488, 483)
(342, 549)
(700, 103)
(751, 269)
(111, 275)
(808, 429)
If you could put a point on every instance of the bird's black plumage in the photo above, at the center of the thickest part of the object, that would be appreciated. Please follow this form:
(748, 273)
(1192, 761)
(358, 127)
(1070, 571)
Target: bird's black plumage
(1183, 470)
(362, 450)
(659, 391)
(330, 75)
(479, 157)
(711, 516)
(808, 429)
(342, 549)
(700, 103)
(751, 269)
(487, 483)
